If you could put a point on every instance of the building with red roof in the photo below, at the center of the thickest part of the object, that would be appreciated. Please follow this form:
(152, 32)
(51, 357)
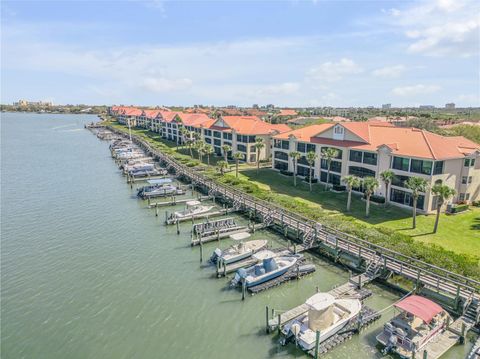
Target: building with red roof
(369, 148)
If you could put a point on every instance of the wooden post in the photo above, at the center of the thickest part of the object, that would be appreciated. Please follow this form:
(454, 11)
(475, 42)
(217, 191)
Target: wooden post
(266, 320)
(166, 217)
(224, 268)
(201, 251)
(448, 322)
(359, 281)
(417, 287)
(156, 209)
(218, 235)
(178, 228)
(148, 199)
(425, 354)
(457, 297)
(462, 337)
(244, 285)
(279, 321)
(317, 343)
(294, 248)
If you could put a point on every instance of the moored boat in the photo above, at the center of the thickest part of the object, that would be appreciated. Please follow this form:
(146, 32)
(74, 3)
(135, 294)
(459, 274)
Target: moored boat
(326, 315)
(159, 188)
(420, 320)
(238, 251)
(192, 209)
(270, 268)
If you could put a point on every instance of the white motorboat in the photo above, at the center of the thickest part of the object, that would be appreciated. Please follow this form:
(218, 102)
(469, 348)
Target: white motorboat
(326, 314)
(161, 187)
(192, 209)
(420, 320)
(238, 251)
(270, 268)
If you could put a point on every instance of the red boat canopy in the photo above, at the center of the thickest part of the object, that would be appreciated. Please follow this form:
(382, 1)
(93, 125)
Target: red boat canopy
(420, 307)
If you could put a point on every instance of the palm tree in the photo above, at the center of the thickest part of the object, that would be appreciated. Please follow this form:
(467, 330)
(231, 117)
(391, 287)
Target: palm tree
(199, 145)
(351, 181)
(258, 146)
(295, 156)
(237, 156)
(222, 165)
(443, 193)
(184, 133)
(370, 184)
(328, 154)
(226, 149)
(416, 185)
(208, 150)
(311, 157)
(387, 177)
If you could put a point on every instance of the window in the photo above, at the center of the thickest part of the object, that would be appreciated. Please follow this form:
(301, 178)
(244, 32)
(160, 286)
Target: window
(400, 163)
(253, 149)
(339, 152)
(338, 130)
(470, 179)
(208, 140)
(335, 166)
(253, 157)
(227, 136)
(301, 147)
(208, 132)
(360, 172)
(245, 139)
(280, 165)
(438, 168)
(461, 197)
(217, 134)
(467, 196)
(310, 147)
(355, 156)
(420, 166)
(285, 145)
(303, 171)
(333, 179)
(469, 162)
(303, 161)
(281, 155)
(241, 148)
(227, 143)
(252, 139)
(464, 180)
(217, 142)
(405, 198)
(399, 181)
(369, 158)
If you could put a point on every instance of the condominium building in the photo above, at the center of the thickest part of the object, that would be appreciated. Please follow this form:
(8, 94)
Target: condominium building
(369, 148)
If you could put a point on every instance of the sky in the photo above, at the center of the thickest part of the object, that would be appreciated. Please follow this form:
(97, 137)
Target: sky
(288, 53)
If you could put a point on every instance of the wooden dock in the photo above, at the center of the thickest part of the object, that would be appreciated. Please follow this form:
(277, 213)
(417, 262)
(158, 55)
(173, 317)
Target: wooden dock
(446, 340)
(349, 289)
(312, 234)
(219, 235)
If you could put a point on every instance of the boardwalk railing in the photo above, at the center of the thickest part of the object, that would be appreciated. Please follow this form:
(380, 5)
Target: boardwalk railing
(423, 273)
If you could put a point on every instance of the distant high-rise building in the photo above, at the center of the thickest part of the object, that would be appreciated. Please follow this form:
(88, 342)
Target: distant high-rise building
(450, 105)
(386, 106)
(255, 105)
(426, 107)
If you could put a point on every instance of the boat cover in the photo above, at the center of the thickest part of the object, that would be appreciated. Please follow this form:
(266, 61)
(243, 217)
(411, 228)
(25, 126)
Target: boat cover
(160, 181)
(420, 307)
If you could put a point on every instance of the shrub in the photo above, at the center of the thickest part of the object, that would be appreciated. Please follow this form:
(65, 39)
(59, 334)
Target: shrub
(314, 180)
(375, 198)
(339, 188)
(459, 208)
(476, 203)
(286, 173)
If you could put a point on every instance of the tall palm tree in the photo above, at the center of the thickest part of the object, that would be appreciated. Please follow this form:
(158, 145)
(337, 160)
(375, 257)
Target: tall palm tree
(295, 156)
(258, 146)
(416, 185)
(370, 184)
(443, 193)
(199, 145)
(222, 165)
(328, 154)
(226, 149)
(387, 177)
(237, 157)
(311, 157)
(208, 150)
(351, 181)
(184, 133)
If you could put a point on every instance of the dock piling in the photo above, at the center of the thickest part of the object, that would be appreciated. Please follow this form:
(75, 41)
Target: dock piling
(244, 287)
(177, 223)
(266, 319)
(317, 343)
(156, 209)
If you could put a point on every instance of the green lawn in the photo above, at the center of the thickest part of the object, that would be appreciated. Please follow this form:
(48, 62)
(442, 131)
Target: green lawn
(459, 233)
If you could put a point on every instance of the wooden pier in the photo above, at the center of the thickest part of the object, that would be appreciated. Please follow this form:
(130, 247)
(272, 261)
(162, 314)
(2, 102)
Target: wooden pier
(311, 234)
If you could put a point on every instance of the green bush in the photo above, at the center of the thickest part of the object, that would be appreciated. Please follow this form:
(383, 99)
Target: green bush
(375, 198)
(459, 208)
(339, 188)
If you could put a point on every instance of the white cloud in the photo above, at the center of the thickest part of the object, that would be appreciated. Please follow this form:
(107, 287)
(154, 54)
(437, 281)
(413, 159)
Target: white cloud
(286, 88)
(441, 27)
(468, 100)
(389, 71)
(165, 85)
(415, 90)
(334, 71)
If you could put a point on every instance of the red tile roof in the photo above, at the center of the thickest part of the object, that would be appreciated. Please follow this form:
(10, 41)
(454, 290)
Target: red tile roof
(409, 142)
(287, 112)
(252, 125)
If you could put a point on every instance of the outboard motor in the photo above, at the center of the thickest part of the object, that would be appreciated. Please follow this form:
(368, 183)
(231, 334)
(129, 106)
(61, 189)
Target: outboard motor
(241, 274)
(392, 343)
(217, 253)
